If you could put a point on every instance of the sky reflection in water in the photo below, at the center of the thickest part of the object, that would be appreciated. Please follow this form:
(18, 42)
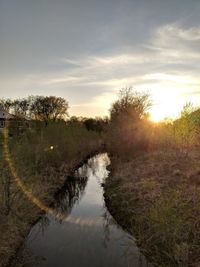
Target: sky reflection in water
(88, 235)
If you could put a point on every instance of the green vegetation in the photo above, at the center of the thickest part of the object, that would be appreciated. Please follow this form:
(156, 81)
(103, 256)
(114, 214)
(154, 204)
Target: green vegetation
(153, 190)
(154, 187)
(43, 152)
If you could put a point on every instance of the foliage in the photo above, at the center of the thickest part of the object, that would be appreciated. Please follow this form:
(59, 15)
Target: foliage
(156, 195)
(37, 107)
(187, 126)
(5, 104)
(92, 124)
(36, 143)
(126, 133)
(131, 105)
(42, 156)
(181, 134)
(49, 108)
(20, 107)
(96, 124)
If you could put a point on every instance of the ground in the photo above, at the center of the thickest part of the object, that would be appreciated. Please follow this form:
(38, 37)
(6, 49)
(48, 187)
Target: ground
(156, 197)
(40, 169)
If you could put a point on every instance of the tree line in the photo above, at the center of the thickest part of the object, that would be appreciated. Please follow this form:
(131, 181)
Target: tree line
(128, 127)
(130, 130)
(49, 108)
(42, 108)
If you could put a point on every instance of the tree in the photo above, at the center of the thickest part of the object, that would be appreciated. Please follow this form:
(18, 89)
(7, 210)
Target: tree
(49, 108)
(130, 105)
(20, 107)
(127, 132)
(96, 124)
(187, 128)
(6, 104)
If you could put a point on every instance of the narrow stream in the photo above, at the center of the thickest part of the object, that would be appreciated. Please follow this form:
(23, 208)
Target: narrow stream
(88, 236)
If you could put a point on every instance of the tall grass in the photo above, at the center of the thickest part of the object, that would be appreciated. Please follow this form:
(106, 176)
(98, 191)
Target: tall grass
(157, 198)
(42, 156)
(42, 147)
(154, 190)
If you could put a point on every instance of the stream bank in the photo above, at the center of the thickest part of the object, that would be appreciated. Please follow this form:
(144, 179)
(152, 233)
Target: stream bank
(86, 235)
(33, 214)
(156, 198)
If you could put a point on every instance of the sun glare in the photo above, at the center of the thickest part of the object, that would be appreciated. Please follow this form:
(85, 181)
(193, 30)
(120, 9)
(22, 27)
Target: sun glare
(156, 116)
(165, 110)
(166, 104)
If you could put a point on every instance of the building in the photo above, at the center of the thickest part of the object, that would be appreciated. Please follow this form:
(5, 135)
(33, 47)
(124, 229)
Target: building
(18, 124)
(4, 116)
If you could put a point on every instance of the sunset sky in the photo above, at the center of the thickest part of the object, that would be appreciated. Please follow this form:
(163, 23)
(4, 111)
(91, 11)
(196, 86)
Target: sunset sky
(86, 50)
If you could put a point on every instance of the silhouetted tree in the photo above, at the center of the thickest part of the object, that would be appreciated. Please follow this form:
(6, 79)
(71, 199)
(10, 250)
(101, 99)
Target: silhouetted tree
(96, 124)
(6, 104)
(49, 108)
(130, 105)
(20, 107)
(128, 116)
(75, 120)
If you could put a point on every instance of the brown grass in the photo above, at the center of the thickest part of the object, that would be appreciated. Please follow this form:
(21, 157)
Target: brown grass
(157, 198)
(43, 171)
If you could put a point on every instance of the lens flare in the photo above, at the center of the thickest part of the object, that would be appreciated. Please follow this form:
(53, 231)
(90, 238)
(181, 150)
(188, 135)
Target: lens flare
(58, 215)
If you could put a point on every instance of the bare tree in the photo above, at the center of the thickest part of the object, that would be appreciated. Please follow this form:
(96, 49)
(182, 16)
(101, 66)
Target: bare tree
(130, 104)
(6, 104)
(49, 108)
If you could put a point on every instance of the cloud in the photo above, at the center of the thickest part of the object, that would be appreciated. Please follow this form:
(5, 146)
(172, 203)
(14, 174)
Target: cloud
(176, 32)
(176, 43)
(87, 51)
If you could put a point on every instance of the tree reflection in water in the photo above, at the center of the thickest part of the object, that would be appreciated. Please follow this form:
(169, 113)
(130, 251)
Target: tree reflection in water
(88, 234)
(71, 194)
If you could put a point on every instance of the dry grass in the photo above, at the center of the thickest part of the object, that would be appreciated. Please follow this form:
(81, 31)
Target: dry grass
(157, 198)
(43, 171)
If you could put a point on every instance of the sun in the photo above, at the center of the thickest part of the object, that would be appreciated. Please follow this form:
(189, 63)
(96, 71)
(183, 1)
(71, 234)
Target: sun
(156, 117)
(162, 111)
(165, 105)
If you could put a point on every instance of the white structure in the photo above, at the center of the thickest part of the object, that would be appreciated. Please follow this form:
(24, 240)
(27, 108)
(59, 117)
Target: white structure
(4, 116)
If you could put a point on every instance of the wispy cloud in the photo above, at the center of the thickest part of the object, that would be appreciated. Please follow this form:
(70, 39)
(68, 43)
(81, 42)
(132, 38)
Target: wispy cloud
(86, 54)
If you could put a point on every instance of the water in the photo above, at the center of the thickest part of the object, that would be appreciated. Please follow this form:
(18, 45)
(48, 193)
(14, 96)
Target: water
(87, 235)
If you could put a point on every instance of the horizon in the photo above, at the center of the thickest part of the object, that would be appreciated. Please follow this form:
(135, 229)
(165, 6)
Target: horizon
(86, 51)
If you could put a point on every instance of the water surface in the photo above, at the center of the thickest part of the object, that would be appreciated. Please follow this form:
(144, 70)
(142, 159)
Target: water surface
(87, 236)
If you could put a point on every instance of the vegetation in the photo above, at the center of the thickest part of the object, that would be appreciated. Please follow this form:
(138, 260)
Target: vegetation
(92, 124)
(43, 154)
(37, 107)
(154, 188)
(128, 123)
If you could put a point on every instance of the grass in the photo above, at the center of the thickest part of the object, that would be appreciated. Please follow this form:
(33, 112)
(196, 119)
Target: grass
(43, 157)
(156, 197)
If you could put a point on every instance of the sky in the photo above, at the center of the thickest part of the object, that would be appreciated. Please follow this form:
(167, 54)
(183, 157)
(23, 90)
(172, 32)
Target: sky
(87, 50)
